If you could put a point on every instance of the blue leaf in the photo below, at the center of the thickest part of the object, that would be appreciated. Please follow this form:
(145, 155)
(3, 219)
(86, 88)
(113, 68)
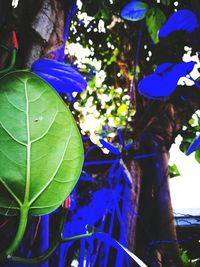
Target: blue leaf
(163, 68)
(121, 140)
(194, 146)
(183, 69)
(182, 20)
(110, 147)
(114, 243)
(134, 11)
(85, 176)
(63, 78)
(163, 82)
(128, 146)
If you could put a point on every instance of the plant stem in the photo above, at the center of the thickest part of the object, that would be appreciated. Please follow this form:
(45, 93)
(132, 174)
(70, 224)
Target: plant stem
(45, 255)
(12, 62)
(98, 235)
(20, 231)
(76, 237)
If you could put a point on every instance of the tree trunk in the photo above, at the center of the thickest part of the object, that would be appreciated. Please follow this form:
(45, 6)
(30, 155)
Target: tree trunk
(157, 240)
(158, 123)
(41, 26)
(132, 215)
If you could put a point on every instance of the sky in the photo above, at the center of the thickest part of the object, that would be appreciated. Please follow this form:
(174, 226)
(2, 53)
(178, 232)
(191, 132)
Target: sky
(185, 188)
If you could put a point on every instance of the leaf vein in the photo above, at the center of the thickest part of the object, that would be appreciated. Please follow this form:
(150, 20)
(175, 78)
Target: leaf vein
(52, 177)
(15, 139)
(10, 158)
(10, 191)
(38, 97)
(41, 136)
(64, 182)
(46, 206)
(13, 103)
(9, 208)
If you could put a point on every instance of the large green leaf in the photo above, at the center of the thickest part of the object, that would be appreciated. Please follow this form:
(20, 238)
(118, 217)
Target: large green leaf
(41, 150)
(155, 18)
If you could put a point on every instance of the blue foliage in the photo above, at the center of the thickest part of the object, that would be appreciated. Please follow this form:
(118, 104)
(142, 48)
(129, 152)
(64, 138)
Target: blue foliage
(110, 147)
(121, 140)
(163, 81)
(163, 68)
(86, 176)
(63, 78)
(102, 201)
(182, 20)
(194, 146)
(102, 208)
(134, 11)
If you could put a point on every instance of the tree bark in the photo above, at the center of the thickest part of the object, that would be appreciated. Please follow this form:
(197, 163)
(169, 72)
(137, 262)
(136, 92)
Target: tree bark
(157, 239)
(132, 214)
(40, 27)
(158, 123)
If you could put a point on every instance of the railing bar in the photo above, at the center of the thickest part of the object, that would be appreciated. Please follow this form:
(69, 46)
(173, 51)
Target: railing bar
(99, 242)
(82, 252)
(90, 251)
(107, 247)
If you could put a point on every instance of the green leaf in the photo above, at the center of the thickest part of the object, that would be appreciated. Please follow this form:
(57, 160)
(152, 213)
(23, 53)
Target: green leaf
(122, 110)
(155, 18)
(191, 122)
(197, 155)
(184, 257)
(41, 150)
(173, 170)
(166, 2)
(188, 138)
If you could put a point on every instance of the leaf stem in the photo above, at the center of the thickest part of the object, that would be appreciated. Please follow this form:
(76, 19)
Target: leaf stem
(45, 255)
(20, 231)
(98, 235)
(77, 237)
